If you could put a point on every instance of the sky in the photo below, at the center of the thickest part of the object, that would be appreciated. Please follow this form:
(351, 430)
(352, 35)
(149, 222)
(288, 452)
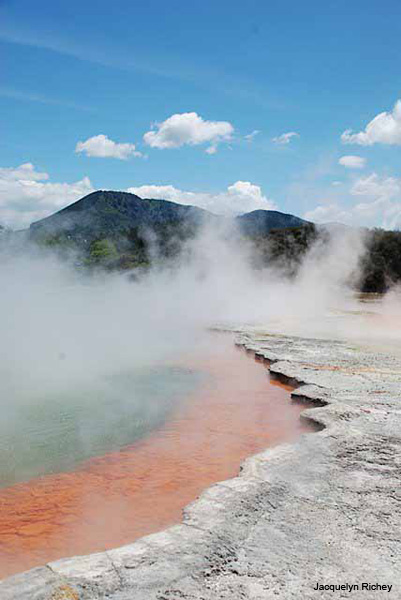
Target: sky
(231, 106)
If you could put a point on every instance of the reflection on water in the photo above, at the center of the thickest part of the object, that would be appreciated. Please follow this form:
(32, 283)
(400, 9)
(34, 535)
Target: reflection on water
(55, 433)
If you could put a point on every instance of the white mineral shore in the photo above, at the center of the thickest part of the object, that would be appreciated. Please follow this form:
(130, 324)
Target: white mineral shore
(298, 520)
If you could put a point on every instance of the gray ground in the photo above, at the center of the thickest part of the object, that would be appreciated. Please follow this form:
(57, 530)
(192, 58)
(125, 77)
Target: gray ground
(325, 510)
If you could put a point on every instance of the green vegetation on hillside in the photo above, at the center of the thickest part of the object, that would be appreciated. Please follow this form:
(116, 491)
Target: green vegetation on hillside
(381, 266)
(120, 231)
(284, 249)
(102, 252)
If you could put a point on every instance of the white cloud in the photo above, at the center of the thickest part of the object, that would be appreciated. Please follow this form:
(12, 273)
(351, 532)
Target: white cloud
(188, 128)
(381, 205)
(211, 150)
(240, 197)
(25, 172)
(26, 195)
(374, 186)
(329, 213)
(385, 128)
(101, 146)
(352, 162)
(285, 138)
(252, 135)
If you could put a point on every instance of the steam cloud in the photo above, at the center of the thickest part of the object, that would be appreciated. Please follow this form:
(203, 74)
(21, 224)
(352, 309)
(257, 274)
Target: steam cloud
(64, 331)
(59, 325)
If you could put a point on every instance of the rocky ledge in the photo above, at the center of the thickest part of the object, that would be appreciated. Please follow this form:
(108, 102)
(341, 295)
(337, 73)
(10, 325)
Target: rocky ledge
(322, 512)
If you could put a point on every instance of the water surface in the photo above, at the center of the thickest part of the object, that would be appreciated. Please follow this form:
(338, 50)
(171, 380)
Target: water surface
(57, 432)
(234, 412)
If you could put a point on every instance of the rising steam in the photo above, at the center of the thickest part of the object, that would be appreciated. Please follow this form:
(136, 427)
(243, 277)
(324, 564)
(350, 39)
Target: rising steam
(67, 332)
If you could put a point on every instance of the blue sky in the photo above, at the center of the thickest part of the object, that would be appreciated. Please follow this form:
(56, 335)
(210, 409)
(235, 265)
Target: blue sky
(200, 79)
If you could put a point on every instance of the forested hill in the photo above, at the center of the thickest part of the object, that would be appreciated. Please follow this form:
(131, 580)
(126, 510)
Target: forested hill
(108, 213)
(260, 222)
(379, 268)
(117, 229)
(104, 214)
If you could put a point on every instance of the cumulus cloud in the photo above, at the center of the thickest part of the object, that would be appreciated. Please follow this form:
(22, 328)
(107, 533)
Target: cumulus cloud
(101, 146)
(25, 172)
(329, 213)
(352, 162)
(240, 197)
(26, 195)
(188, 129)
(380, 205)
(374, 186)
(385, 128)
(285, 138)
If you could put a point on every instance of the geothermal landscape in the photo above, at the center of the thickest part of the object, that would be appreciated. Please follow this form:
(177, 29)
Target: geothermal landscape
(127, 413)
(200, 300)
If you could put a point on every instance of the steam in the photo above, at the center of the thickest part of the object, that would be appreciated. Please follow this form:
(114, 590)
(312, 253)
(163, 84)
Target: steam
(64, 328)
(67, 333)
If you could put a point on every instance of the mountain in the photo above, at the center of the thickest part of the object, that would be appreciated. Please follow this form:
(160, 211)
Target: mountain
(260, 222)
(110, 214)
(121, 230)
(118, 230)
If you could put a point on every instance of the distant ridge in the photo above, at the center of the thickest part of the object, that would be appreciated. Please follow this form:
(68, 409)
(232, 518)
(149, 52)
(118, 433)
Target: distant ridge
(260, 222)
(110, 230)
(109, 214)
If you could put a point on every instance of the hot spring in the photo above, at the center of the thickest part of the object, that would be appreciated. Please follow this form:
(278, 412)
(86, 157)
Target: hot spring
(51, 433)
(103, 467)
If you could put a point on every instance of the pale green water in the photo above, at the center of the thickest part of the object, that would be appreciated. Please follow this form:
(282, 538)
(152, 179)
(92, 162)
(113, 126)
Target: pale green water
(53, 434)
